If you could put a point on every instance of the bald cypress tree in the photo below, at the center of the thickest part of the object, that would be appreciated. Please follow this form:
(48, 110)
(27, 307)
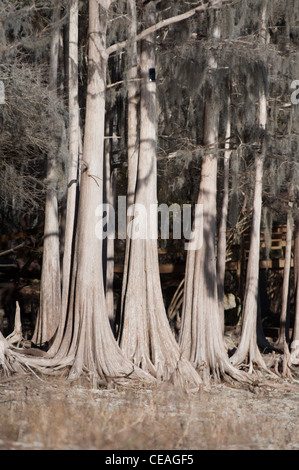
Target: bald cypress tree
(145, 335)
(88, 339)
(50, 290)
(201, 336)
(84, 341)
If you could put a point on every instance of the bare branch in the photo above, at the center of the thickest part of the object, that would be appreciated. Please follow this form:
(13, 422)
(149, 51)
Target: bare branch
(12, 250)
(162, 24)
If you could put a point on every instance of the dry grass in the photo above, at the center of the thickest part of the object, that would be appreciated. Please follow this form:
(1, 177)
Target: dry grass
(55, 415)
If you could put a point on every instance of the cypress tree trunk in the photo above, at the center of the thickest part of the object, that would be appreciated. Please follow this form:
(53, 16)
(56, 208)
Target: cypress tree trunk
(133, 132)
(88, 343)
(248, 342)
(294, 358)
(74, 136)
(133, 100)
(221, 247)
(145, 335)
(248, 345)
(108, 256)
(50, 288)
(201, 338)
(284, 326)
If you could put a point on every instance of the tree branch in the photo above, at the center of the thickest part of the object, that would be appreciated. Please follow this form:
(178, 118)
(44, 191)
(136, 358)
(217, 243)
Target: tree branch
(162, 24)
(12, 250)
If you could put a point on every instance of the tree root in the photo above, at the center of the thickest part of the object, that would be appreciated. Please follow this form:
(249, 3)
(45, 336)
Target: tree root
(284, 364)
(274, 372)
(16, 337)
(9, 361)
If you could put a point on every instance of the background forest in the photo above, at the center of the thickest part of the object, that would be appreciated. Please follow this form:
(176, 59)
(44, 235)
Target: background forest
(84, 120)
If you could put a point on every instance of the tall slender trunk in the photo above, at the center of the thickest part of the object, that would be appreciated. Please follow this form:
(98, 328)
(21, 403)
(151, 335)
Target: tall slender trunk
(221, 247)
(74, 136)
(133, 133)
(145, 335)
(248, 342)
(295, 335)
(50, 287)
(133, 100)
(88, 341)
(284, 325)
(109, 199)
(72, 186)
(201, 339)
(87, 297)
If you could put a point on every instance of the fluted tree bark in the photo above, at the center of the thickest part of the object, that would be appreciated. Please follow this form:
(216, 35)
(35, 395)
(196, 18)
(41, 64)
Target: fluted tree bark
(248, 346)
(132, 133)
(284, 335)
(88, 343)
(145, 335)
(73, 168)
(294, 347)
(201, 335)
(221, 247)
(50, 288)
